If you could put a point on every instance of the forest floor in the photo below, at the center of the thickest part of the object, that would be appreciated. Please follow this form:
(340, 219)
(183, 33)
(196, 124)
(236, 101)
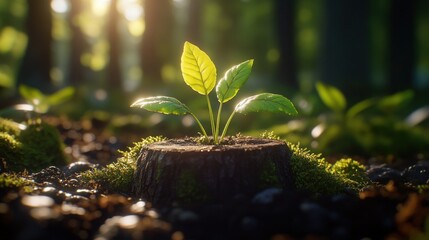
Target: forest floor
(59, 208)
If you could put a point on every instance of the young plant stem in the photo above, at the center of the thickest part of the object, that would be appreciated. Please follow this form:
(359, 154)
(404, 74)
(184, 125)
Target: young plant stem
(218, 122)
(212, 123)
(199, 124)
(225, 129)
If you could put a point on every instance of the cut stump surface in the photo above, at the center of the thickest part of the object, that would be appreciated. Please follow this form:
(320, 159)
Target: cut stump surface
(181, 170)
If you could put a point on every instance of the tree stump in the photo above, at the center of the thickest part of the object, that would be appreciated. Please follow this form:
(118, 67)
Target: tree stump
(181, 170)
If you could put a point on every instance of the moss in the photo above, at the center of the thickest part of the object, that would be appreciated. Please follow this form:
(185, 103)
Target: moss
(269, 135)
(12, 180)
(352, 170)
(189, 189)
(423, 189)
(9, 126)
(268, 176)
(312, 175)
(10, 151)
(41, 147)
(117, 176)
(32, 149)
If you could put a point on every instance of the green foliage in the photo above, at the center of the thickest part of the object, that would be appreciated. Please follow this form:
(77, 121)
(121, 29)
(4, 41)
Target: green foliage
(368, 127)
(13, 180)
(312, 175)
(352, 170)
(32, 149)
(199, 72)
(117, 176)
(331, 96)
(42, 102)
(234, 79)
(266, 102)
(392, 102)
(162, 104)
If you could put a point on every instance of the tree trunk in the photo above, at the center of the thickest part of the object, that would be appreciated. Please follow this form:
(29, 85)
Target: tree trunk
(285, 19)
(183, 171)
(77, 44)
(156, 40)
(194, 22)
(36, 63)
(402, 42)
(114, 70)
(345, 47)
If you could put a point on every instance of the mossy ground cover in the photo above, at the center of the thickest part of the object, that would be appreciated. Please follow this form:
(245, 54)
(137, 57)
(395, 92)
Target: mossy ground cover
(15, 181)
(117, 176)
(33, 148)
(311, 173)
(362, 216)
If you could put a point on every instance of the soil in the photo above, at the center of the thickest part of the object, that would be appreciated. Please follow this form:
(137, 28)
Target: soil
(59, 208)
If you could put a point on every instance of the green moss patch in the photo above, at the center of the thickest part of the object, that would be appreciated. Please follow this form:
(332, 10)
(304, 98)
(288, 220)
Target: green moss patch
(32, 149)
(314, 175)
(14, 181)
(352, 170)
(117, 176)
(9, 127)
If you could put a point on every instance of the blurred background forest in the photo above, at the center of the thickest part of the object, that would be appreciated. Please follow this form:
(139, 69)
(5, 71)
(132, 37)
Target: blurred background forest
(114, 51)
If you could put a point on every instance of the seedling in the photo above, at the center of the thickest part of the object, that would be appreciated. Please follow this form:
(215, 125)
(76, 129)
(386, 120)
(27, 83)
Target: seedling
(40, 102)
(199, 73)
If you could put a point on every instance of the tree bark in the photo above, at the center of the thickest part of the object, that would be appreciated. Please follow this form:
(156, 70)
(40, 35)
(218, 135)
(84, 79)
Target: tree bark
(186, 172)
(114, 70)
(36, 63)
(77, 44)
(156, 40)
(345, 47)
(402, 42)
(193, 28)
(285, 19)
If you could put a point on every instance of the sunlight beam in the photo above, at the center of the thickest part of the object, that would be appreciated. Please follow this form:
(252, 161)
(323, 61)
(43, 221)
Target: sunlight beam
(60, 6)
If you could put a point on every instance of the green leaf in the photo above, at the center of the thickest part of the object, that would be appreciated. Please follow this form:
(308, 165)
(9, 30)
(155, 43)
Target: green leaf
(162, 104)
(35, 97)
(396, 101)
(30, 94)
(61, 96)
(234, 78)
(331, 96)
(198, 70)
(267, 102)
(5, 80)
(360, 107)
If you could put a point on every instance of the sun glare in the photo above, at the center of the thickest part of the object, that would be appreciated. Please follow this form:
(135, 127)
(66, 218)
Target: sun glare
(100, 7)
(60, 6)
(131, 9)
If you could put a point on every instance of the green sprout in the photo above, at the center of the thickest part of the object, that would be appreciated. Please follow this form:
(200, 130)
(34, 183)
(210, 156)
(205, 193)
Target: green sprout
(199, 73)
(39, 102)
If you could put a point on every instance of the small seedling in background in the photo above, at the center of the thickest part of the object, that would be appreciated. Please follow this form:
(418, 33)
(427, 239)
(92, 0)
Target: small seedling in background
(199, 72)
(373, 126)
(39, 102)
(42, 102)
